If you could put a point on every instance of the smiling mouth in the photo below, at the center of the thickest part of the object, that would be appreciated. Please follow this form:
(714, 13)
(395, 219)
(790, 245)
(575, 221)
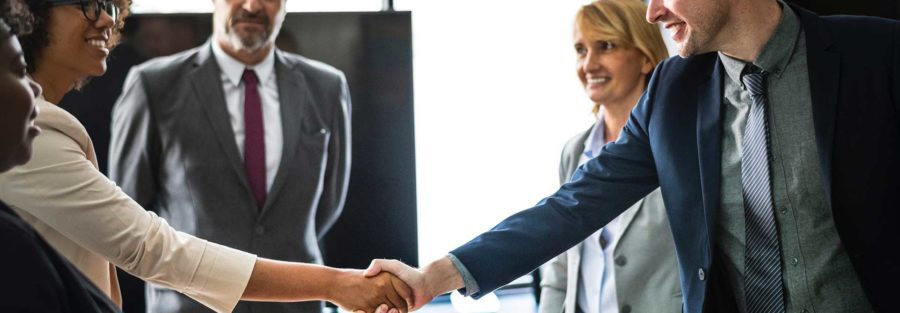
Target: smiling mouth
(670, 25)
(597, 81)
(99, 43)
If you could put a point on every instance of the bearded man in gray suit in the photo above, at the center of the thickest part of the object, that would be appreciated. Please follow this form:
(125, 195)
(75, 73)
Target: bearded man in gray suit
(237, 142)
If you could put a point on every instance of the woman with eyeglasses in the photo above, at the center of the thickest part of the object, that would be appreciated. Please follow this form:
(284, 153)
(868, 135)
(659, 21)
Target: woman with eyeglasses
(97, 227)
(33, 276)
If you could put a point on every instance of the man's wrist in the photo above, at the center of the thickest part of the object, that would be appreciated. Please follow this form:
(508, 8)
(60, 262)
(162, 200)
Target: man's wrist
(441, 277)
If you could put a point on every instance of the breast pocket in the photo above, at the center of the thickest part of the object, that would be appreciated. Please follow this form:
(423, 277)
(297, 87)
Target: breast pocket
(309, 160)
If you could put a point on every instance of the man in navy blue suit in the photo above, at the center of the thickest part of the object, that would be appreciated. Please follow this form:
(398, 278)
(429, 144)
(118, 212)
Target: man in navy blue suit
(782, 198)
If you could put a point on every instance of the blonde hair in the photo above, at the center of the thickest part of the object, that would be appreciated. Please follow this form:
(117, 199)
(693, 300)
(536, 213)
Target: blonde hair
(622, 23)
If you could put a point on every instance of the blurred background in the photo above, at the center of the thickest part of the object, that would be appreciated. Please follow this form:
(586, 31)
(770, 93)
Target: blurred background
(460, 110)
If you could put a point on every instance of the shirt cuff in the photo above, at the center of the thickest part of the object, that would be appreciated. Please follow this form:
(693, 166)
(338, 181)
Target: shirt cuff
(471, 286)
(222, 276)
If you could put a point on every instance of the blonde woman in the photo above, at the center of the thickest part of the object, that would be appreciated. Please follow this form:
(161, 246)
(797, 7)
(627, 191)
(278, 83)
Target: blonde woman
(628, 265)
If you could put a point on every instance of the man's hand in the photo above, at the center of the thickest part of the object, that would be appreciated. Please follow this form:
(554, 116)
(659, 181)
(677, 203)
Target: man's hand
(384, 293)
(437, 278)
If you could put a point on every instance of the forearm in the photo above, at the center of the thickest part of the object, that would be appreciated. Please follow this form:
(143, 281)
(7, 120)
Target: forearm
(277, 281)
(442, 277)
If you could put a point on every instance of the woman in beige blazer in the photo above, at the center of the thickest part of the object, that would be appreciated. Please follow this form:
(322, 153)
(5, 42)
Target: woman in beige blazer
(91, 222)
(629, 265)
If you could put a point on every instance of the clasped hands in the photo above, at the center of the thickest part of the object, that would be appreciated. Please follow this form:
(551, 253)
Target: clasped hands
(390, 286)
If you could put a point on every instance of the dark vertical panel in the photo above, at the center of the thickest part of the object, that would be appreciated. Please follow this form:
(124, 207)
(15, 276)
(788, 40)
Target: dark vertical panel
(380, 216)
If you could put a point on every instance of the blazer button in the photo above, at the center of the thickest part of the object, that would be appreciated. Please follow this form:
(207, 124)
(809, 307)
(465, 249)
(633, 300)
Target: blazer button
(701, 274)
(322, 131)
(621, 261)
(260, 230)
(625, 309)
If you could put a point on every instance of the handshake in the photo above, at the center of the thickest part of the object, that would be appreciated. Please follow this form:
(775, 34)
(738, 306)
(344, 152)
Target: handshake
(390, 286)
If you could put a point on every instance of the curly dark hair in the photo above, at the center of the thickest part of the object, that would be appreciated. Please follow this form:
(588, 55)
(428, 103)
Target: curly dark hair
(15, 19)
(39, 38)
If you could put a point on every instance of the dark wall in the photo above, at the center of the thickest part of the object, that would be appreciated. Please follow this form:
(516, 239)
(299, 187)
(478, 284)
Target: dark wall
(374, 50)
(882, 8)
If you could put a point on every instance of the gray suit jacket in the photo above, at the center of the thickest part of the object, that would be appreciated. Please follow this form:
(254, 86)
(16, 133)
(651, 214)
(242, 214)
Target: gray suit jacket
(173, 150)
(646, 270)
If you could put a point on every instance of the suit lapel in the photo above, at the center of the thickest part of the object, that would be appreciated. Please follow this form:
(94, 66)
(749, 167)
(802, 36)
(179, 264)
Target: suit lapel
(709, 141)
(824, 77)
(627, 217)
(575, 156)
(208, 88)
(294, 101)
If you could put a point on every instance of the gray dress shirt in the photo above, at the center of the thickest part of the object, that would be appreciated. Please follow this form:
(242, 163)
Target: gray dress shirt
(817, 273)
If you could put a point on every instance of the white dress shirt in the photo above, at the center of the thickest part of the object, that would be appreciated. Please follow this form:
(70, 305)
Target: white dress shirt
(231, 72)
(597, 284)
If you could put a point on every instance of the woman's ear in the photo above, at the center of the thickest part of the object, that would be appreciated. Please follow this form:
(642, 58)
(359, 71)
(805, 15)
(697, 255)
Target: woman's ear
(647, 67)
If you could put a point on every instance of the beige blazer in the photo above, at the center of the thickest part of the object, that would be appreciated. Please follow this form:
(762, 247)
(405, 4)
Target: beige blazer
(91, 222)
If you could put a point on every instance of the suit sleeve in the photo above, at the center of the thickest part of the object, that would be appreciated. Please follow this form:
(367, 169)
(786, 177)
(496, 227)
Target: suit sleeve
(337, 173)
(133, 147)
(600, 190)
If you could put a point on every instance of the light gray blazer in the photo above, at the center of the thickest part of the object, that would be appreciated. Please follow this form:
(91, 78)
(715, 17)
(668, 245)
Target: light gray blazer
(647, 277)
(173, 150)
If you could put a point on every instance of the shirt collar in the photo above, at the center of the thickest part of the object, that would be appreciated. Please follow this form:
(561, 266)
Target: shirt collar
(776, 53)
(597, 138)
(234, 69)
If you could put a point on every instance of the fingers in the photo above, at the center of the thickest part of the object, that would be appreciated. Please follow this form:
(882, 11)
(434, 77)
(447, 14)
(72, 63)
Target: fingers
(406, 273)
(382, 309)
(391, 266)
(404, 291)
(374, 267)
(395, 300)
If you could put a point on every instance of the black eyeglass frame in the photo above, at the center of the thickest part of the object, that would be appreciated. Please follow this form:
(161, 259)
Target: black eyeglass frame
(101, 6)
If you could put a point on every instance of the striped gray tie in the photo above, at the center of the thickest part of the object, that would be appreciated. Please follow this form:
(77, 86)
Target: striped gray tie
(762, 275)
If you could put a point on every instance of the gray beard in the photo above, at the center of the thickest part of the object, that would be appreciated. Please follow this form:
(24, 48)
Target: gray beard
(250, 44)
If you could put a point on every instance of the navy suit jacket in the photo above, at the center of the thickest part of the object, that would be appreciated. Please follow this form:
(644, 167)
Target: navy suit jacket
(854, 78)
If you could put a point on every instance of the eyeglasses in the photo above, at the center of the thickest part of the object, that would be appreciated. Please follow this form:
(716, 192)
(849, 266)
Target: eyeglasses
(92, 8)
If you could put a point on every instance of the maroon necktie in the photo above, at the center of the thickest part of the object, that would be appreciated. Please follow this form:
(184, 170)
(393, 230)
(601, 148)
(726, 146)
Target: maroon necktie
(254, 138)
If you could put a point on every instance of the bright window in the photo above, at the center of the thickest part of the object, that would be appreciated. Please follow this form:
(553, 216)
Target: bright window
(496, 97)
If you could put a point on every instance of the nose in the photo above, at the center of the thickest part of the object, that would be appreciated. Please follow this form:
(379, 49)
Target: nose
(35, 88)
(591, 62)
(252, 6)
(105, 20)
(655, 11)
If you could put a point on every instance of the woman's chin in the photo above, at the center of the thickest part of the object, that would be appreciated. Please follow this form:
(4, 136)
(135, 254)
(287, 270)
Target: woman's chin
(96, 72)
